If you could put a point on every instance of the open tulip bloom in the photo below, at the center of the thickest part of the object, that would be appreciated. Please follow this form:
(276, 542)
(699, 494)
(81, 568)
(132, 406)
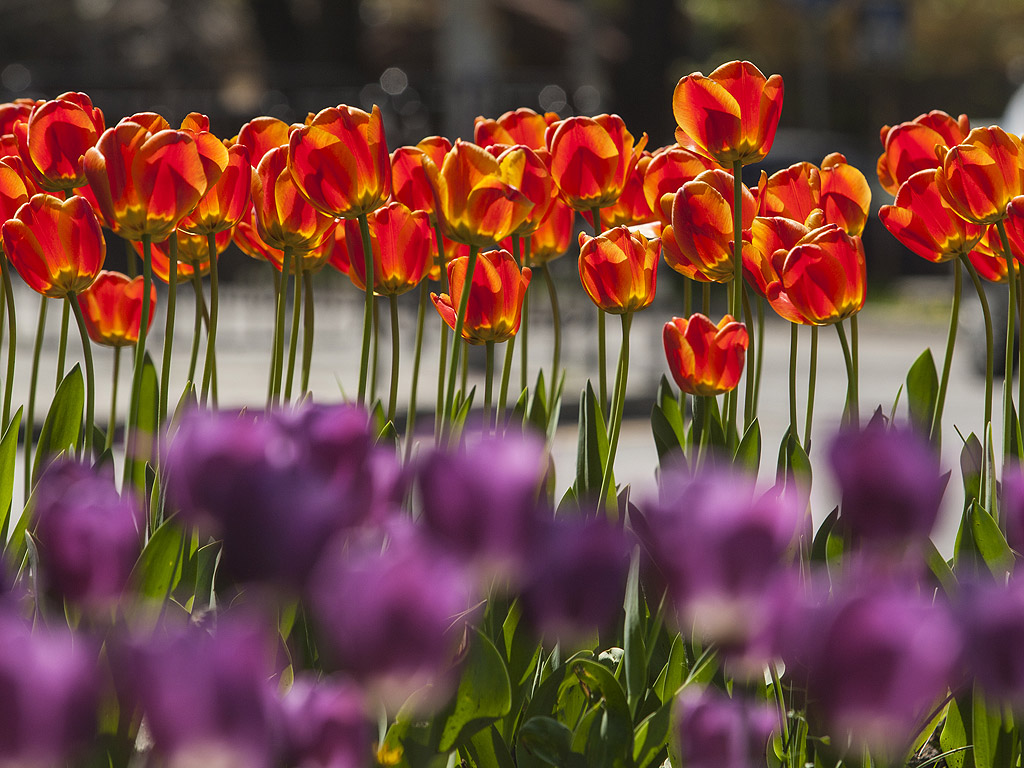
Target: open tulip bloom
(301, 585)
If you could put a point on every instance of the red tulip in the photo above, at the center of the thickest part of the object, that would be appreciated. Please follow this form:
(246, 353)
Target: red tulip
(669, 169)
(824, 276)
(340, 163)
(979, 177)
(764, 257)
(411, 180)
(731, 115)
(631, 208)
(14, 191)
(704, 358)
(262, 134)
(523, 126)
(403, 246)
(112, 309)
(495, 297)
(554, 234)
(837, 188)
(619, 269)
(527, 171)
(917, 145)
(227, 201)
(284, 217)
(55, 138)
(55, 245)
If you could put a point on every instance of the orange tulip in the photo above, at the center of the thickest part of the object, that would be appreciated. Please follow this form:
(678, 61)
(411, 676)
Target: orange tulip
(991, 266)
(523, 126)
(14, 191)
(496, 294)
(144, 182)
(619, 269)
(112, 309)
(917, 145)
(704, 358)
(591, 159)
(979, 177)
(55, 138)
(477, 203)
(764, 255)
(19, 110)
(262, 134)
(410, 179)
(922, 221)
(824, 276)
(340, 161)
(553, 236)
(527, 171)
(403, 249)
(702, 226)
(669, 169)
(838, 189)
(284, 217)
(55, 245)
(226, 201)
(631, 208)
(731, 115)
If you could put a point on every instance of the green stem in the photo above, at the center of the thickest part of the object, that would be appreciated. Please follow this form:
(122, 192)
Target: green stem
(211, 335)
(464, 372)
(282, 301)
(33, 382)
(855, 359)
(443, 346)
(488, 383)
(90, 376)
(621, 377)
(364, 360)
(851, 377)
(989, 352)
(395, 350)
(793, 342)
(140, 359)
(737, 236)
(1009, 433)
(172, 293)
(410, 419)
(460, 320)
(812, 375)
(62, 347)
(12, 340)
(752, 348)
(760, 352)
(556, 319)
(113, 401)
(293, 338)
(272, 376)
(374, 358)
(506, 371)
(307, 330)
(602, 362)
(935, 431)
(525, 325)
(197, 331)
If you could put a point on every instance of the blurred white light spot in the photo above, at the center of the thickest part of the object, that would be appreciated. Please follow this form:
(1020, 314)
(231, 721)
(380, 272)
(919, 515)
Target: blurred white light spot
(587, 99)
(394, 81)
(552, 98)
(16, 77)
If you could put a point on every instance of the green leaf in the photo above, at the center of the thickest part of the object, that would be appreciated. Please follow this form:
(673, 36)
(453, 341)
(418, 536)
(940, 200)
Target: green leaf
(592, 448)
(667, 423)
(594, 678)
(748, 452)
(673, 673)
(546, 739)
(651, 736)
(410, 742)
(539, 414)
(954, 736)
(520, 409)
(388, 435)
(940, 569)
(462, 408)
(489, 750)
(8, 454)
(990, 542)
(635, 654)
(819, 547)
(146, 426)
(922, 391)
(985, 730)
(972, 462)
(555, 407)
(159, 567)
(483, 696)
(63, 422)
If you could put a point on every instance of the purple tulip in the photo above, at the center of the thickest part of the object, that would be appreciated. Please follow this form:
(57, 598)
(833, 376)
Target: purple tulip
(277, 488)
(992, 621)
(392, 619)
(716, 731)
(891, 484)
(483, 503)
(209, 696)
(88, 536)
(722, 551)
(576, 582)
(326, 726)
(49, 694)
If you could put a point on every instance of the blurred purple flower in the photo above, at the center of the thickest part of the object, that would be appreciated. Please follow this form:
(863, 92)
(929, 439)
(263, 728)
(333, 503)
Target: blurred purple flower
(392, 619)
(890, 482)
(576, 582)
(326, 725)
(716, 731)
(208, 697)
(1011, 506)
(991, 618)
(48, 694)
(483, 502)
(722, 551)
(277, 488)
(88, 536)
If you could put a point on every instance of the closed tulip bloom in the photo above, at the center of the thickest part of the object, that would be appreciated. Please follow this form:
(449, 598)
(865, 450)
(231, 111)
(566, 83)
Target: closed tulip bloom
(477, 203)
(837, 189)
(522, 126)
(632, 207)
(403, 248)
(527, 171)
(917, 145)
(262, 134)
(552, 238)
(591, 159)
(979, 177)
(731, 115)
(410, 180)
(668, 170)
(764, 256)
(825, 276)
(496, 294)
(619, 269)
(990, 266)
(284, 217)
(340, 162)
(145, 183)
(19, 110)
(227, 201)
(112, 309)
(702, 225)
(924, 223)
(55, 138)
(55, 245)
(704, 358)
